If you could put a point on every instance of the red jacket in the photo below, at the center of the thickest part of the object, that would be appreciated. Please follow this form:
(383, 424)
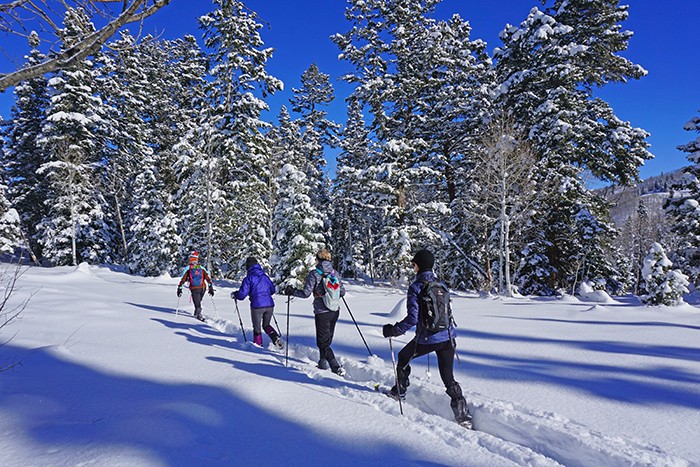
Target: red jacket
(186, 278)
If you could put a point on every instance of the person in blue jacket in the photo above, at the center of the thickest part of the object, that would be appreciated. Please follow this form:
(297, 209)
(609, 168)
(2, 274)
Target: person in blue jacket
(258, 286)
(441, 342)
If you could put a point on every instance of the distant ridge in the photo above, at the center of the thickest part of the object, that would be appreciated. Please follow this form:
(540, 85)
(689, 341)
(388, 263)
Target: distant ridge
(625, 199)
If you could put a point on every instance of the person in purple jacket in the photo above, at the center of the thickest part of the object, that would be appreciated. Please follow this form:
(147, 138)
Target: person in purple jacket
(441, 342)
(258, 286)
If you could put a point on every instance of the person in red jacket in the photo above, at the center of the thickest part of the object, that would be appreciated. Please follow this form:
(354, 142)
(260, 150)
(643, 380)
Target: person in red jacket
(198, 277)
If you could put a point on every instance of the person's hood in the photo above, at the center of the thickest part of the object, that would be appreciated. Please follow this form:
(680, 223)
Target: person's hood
(325, 266)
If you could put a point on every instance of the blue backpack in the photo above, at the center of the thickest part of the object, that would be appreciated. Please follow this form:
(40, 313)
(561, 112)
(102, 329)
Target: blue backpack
(196, 276)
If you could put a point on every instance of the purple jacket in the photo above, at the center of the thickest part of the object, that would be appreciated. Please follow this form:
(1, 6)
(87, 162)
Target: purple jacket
(258, 286)
(411, 319)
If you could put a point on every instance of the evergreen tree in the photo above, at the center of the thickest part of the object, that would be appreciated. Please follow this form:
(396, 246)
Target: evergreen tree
(74, 229)
(355, 217)
(318, 132)
(684, 207)
(662, 285)
(397, 52)
(10, 235)
(176, 72)
(296, 225)
(124, 87)
(22, 154)
(548, 69)
(235, 152)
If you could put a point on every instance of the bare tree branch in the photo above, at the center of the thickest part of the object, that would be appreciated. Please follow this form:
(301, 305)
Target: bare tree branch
(8, 285)
(137, 10)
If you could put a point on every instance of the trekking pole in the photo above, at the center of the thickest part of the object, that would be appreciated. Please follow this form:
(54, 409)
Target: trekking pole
(453, 343)
(396, 376)
(240, 321)
(177, 307)
(279, 333)
(286, 348)
(358, 327)
(214, 305)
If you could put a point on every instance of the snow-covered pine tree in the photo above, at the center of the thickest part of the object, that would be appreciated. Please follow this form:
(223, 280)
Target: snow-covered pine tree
(355, 217)
(124, 87)
(201, 201)
(548, 70)
(318, 132)
(684, 207)
(568, 236)
(10, 235)
(640, 230)
(235, 150)
(297, 227)
(74, 229)
(175, 71)
(455, 100)
(22, 155)
(154, 227)
(388, 46)
(662, 284)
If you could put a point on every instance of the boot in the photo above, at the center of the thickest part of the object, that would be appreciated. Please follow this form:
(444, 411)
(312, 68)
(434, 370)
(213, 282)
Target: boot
(257, 339)
(459, 404)
(274, 337)
(404, 383)
(336, 368)
(323, 364)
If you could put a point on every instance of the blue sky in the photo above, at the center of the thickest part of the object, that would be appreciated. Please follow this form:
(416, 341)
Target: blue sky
(664, 43)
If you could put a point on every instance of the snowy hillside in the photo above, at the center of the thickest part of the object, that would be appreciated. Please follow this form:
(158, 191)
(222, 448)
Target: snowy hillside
(101, 371)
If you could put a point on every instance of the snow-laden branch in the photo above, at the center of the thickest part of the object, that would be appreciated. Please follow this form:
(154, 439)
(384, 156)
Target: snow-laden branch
(133, 12)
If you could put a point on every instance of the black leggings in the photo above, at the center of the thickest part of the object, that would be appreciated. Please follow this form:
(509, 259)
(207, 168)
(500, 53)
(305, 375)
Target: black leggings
(325, 328)
(197, 296)
(445, 356)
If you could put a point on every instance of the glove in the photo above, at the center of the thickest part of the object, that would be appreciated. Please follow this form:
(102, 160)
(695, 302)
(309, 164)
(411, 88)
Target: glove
(211, 290)
(233, 296)
(388, 330)
(179, 291)
(289, 290)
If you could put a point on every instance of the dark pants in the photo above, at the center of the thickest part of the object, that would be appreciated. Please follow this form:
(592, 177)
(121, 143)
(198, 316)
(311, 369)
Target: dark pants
(261, 322)
(261, 318)
(197, 296)
(325, 328)
(445, 356)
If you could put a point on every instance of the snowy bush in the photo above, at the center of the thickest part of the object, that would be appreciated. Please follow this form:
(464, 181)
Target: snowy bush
(663, 285)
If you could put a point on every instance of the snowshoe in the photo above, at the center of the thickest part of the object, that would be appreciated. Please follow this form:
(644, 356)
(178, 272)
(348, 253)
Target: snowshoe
(466, 422)
(200, 317)
(340, 371)
(390, 392)
(279, 343)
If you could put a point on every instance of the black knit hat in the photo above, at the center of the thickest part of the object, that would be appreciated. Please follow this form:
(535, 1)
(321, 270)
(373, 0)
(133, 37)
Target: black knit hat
(250, 262)
(424, 260)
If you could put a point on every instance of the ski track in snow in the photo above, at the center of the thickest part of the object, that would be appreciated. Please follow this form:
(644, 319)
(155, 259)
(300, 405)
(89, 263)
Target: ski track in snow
(518, 435)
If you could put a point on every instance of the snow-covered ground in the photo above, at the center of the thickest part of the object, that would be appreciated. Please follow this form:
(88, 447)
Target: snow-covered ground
(103, 372)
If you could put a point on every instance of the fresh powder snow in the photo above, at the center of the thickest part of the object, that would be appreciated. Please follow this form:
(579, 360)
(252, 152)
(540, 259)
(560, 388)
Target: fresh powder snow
(105, 368)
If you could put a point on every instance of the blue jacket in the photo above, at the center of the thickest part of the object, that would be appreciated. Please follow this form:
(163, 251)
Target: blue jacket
(258, 286)
(314, 286)
(411, 319)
